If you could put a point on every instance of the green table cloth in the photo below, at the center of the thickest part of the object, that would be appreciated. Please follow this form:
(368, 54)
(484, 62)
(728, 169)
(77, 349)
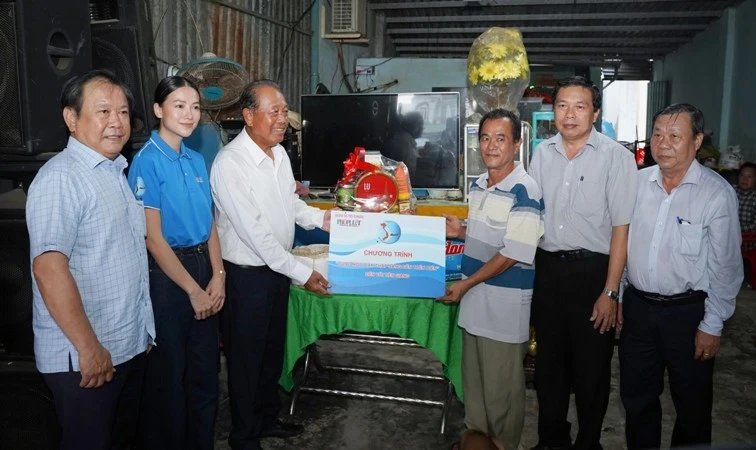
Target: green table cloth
(431, 324)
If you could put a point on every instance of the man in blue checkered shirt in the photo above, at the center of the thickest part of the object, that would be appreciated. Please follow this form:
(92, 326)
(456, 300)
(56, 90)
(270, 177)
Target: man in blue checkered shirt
(93, 320)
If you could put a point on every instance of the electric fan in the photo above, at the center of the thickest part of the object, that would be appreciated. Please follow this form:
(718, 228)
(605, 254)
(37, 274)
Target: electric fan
(220, 80)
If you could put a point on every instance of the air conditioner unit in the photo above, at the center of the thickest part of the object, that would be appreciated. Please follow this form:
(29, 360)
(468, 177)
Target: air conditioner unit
(347, 19)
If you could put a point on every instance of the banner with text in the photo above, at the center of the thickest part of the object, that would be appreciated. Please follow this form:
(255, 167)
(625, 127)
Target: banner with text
(387, 254)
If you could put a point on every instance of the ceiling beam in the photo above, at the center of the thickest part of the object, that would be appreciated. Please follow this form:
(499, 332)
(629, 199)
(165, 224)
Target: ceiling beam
(554, 29)
(546, 58)
(608, 60)
(551, 40)
(462, 4)
(559, 17)
(655, 51)
(423, 5)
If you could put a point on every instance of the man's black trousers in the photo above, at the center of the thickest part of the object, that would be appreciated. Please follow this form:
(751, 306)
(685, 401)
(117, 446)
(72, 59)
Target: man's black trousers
(655, 338)
(571, 355)
(253, 330)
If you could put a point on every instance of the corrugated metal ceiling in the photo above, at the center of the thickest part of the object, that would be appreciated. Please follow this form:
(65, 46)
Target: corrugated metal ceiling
(574, 32)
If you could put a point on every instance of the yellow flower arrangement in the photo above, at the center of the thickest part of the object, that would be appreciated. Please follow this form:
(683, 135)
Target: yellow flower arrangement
(497, 69)
(498, 50)
(498, 55)
(488, 70)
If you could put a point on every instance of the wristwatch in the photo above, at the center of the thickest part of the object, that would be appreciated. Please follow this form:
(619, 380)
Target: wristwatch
(614, 295)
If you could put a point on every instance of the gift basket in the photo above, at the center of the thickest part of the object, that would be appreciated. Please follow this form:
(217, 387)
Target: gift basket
(374, 183)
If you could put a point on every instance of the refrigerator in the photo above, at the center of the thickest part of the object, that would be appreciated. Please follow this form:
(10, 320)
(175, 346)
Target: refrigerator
(473, 163)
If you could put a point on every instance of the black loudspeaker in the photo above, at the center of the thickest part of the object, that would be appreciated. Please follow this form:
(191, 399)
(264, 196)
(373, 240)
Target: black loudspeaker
(122, 43)
(16, 335)
(43, 43)
(27, 413)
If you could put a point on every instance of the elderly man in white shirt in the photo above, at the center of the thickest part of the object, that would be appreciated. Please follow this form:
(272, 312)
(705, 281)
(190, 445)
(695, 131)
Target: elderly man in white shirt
(685, 271)
(256, 210)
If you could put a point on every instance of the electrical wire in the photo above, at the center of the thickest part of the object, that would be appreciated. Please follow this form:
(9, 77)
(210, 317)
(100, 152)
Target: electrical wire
(196, 27)
(160, 24)
(291, 39)
(335, 69)
(382, 62)
(168, 63)
(383, 86)
(355, 74)
(344, 79)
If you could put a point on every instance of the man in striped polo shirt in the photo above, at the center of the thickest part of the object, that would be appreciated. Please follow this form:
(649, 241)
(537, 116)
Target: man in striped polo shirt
(503, 228)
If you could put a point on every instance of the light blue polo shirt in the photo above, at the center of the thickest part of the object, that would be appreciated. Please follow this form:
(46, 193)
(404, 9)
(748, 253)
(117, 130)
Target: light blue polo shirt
(177, 185)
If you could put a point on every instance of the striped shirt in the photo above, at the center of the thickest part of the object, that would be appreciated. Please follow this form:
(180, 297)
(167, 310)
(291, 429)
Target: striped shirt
(506, 218)
(81, 206)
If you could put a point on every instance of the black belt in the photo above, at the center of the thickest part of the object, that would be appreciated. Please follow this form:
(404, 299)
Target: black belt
(572, 255)
(684, 298)
(263, 268)
(196, 250)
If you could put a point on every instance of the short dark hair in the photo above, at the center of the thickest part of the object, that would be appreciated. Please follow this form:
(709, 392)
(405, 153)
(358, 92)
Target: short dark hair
(695, 114)
(413, 123)
(581, 82)
(249, 99)
(502, 113)
(73, 90)
(747, 165)
(170, 84)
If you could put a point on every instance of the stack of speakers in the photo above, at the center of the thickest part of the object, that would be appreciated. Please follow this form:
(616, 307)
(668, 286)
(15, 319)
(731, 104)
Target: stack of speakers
(27, 415)
(45, 43)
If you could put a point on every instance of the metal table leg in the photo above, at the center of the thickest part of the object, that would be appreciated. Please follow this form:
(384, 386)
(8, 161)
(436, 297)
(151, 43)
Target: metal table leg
(311, 357)
(299, 383)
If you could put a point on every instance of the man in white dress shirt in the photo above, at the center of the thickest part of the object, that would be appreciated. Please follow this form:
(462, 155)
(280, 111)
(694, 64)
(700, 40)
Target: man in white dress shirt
(685, 270)
(256, 210)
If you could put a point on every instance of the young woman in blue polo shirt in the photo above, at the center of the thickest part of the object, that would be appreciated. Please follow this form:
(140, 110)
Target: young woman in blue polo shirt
(180, 397)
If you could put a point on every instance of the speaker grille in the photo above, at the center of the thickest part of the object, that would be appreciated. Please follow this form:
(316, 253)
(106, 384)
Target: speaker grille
(16, 285)
(116, 49)
(27, 414)
(101, 10)
(49, 43)
(10, 111)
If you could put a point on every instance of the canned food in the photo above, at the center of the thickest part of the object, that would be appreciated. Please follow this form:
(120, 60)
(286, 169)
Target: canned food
(345, 196)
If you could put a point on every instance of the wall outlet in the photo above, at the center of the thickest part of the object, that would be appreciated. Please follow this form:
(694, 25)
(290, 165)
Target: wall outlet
(365, 70)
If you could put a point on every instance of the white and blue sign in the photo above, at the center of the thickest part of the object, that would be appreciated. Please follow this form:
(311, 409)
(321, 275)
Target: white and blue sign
(387, 254)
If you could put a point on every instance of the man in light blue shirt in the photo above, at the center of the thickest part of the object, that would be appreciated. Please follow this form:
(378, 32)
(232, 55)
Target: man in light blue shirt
(588, 182)
(684, 271)
(93, 320)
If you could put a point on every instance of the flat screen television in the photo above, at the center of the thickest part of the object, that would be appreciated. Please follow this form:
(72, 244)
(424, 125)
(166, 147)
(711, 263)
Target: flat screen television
(420, 129)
